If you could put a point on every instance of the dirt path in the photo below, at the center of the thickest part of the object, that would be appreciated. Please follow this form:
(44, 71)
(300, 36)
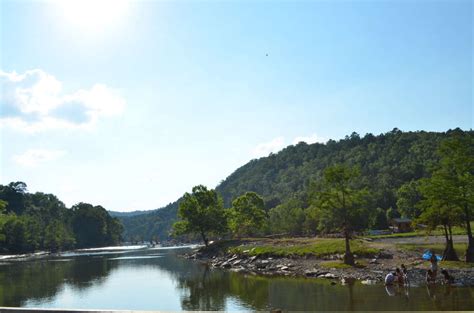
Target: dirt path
(421, 240)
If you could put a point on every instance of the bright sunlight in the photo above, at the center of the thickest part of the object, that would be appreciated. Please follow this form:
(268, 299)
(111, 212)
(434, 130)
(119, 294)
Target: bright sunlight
(91, 16)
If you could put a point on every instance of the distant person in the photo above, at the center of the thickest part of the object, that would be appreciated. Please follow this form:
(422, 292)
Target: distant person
(390, 279)
(434, 265)
(430, 278)
(447, 278)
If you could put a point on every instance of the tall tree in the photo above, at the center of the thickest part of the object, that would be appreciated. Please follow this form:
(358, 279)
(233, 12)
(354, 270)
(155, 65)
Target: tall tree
(438, 209)
(201, 212)
(457, 173)
(247, 215)
(343, 206)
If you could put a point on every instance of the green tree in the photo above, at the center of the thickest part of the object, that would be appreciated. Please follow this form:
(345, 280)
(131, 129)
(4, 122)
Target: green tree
(287, 220)
(201, 212)
(457, 175)
(342, 205)
(89, 224)
(391, 214)
(57, 237)
(408, 196)
(247, 215)
(378, 219)
(438, 209)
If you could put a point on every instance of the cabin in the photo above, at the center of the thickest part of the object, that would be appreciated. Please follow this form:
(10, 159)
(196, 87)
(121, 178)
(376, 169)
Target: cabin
(401, 225)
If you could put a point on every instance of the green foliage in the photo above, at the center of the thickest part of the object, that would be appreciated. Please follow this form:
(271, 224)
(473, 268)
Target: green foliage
(57, 237)
(202, 213)
(378, 219)
(290, 218)
(392, 213)
(29, 222)
(408, 196)
(93, 226)
(342, 206)
(386, 162)
(247, 215)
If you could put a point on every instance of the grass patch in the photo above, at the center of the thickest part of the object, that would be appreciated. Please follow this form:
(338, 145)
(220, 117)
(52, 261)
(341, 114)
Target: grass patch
(438, 248)
(316, 247)
(455, 264)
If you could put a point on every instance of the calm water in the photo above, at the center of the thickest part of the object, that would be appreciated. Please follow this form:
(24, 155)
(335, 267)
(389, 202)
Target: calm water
(155, 279)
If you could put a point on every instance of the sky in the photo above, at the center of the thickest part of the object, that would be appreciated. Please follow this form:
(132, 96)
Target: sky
(129, 104)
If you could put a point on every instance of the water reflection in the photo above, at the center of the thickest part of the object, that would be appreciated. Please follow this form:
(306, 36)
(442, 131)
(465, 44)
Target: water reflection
(158, 280)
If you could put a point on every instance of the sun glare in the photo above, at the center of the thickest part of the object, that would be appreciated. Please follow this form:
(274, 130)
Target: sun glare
(93, 16)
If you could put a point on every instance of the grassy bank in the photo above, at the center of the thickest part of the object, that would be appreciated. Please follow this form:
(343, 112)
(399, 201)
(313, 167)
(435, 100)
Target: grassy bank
(315, 247)
(438, 248)
(457, 230)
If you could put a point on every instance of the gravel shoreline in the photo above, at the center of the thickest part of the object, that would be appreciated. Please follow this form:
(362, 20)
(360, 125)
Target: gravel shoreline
(372, 272)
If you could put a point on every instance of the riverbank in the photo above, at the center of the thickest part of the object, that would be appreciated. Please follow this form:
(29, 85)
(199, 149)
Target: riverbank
(322, 258)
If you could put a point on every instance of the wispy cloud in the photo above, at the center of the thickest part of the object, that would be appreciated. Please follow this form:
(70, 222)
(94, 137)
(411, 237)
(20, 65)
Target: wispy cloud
(278, 143)
(34, 102)
(35, 157)
(309, 139)
(266, 148)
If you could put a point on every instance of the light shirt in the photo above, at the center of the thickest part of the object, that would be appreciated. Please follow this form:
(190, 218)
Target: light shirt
(389, 279)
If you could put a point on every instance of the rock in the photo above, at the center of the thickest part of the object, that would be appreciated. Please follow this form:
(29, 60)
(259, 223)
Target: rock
(347, 280)
(373, 261)
(264, 262)
(310, 273)
(234, 257)
(253, 258)
(369, 282)
(226, 264)
(284, 268)
(329, 276)
(236, 262)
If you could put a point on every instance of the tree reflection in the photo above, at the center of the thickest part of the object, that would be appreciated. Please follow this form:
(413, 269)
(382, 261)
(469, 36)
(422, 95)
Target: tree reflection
(41, 280)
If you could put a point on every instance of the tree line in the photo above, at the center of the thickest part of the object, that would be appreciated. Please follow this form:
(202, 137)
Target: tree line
(39, 221)
(342, 201)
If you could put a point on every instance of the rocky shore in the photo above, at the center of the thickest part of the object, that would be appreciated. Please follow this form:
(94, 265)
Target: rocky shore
(367, 271)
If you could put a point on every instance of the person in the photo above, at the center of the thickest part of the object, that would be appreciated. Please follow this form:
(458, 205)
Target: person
(434, 265)
(399, 274)
(390, 279)
(447, 278)
(405, 274)
(430, 278)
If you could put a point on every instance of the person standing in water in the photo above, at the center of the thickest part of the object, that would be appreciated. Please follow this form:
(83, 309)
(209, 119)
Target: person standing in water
(433, 266)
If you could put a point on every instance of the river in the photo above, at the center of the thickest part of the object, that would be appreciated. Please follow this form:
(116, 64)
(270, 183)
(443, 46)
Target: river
(156, 279)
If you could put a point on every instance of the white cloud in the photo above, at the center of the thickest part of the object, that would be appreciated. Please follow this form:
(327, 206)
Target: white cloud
(309, 139)
(34, 157)
(34, 102)
(264, 149)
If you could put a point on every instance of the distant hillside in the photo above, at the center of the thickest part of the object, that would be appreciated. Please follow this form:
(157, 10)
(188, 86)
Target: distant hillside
(386, 162)
(128, 214)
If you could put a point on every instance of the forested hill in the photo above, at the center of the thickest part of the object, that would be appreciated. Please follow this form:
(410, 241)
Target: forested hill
(386, 161)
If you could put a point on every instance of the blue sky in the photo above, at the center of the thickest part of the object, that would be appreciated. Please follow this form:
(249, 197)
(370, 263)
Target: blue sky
(129, 104)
